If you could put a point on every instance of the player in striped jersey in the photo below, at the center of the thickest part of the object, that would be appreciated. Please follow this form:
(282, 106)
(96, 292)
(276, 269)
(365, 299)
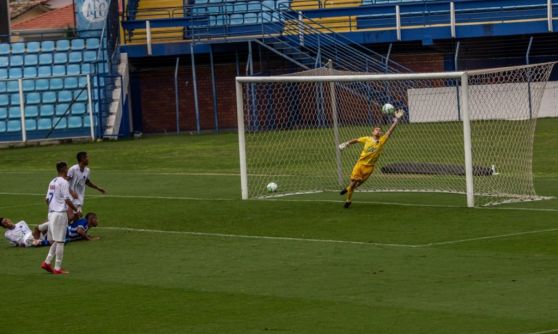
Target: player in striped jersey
(78, 229)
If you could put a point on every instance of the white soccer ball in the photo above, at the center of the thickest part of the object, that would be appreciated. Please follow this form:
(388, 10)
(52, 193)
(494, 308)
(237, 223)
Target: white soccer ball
(272, 187)
(388, 109)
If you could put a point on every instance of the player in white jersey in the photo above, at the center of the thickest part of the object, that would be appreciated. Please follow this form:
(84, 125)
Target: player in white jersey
(20, 235)
(79, 177)
(58, 200)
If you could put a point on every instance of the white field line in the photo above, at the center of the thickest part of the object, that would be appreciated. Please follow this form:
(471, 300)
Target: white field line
(20, 205)
(329, 241)
(545, 332)
(293, 200)
(259, 237)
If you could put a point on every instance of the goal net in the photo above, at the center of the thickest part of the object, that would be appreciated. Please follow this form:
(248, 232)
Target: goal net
(467, 133)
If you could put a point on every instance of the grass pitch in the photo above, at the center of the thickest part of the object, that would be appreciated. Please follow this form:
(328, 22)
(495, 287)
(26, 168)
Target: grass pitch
(180, 253)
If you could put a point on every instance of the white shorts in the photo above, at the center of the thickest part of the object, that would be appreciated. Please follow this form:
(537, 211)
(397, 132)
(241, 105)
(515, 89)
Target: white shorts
(57, 226)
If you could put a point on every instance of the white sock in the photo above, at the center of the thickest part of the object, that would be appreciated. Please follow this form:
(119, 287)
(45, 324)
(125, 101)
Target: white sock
(51, 252)
(59, 256)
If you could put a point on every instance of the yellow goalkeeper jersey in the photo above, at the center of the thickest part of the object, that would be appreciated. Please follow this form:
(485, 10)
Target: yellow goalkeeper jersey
(371, 150)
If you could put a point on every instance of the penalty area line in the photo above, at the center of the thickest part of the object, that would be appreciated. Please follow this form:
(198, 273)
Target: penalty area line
(328, 241)
(259, 237)
(545, 332)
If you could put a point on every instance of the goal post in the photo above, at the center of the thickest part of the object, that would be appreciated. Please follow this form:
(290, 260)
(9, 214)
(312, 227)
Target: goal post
(467, 132)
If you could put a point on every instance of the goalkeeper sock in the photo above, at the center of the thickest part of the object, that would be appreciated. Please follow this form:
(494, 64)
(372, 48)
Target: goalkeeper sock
(51, 253)
(350, 194)
(59, 255)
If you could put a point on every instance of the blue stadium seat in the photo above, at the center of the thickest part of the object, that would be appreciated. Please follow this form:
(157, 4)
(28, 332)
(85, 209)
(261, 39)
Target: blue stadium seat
(82, 82)
(3, 113)
(47, 46)
(30, 125)
(49, 97)
(86, 121)
(89, 56)
(45, 58)
(28, 85)
(14, 99)
(80, 95)
(62, 45)
(92, 43)
(31, 59)
(61, 123)
(45, 71)
(3, 73)
(250, 18)
(47, 110)
(45, 124)
(78, 44)
(2, 126)
(18, 48)
(4, 49)
(4, 100)
(15, 73)
(13, 86)
(33, 47)
(65, 96)
(33, 98)
(61, 108)
(70, 83)
(86, 69)
(255, 6)
(16, 61)
(56, 83)
(14, 112)
(31, 111)
(60, 58)
(42, 84)
(58, 70)
(74, 122)
(30, 72)
(236, 19)
(4, 61)
(75, 57)
(3, 86)
(240, 7)
(78, 109)
(14, 125)
(74, 69)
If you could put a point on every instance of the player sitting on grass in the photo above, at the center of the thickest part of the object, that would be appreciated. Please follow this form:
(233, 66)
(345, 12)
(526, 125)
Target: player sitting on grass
(20, 234)
(371, 151)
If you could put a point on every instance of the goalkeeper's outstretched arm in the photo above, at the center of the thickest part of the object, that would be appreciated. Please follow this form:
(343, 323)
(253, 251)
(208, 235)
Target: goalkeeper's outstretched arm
(344, 145)
(398, 114)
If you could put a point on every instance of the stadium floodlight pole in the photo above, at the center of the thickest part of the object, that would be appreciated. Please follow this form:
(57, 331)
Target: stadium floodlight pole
(241, 140)
(467, 139)
(335, 116)
(22, 111)
(90, 108)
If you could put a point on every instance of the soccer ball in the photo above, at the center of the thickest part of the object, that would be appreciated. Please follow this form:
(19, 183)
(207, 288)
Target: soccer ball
(388, 109)
(271, 187)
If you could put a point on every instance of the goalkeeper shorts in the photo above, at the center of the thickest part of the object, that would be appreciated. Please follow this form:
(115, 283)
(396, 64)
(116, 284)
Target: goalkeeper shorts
(361, 172)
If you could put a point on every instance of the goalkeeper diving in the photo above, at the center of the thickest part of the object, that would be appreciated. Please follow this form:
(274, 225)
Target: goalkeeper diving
(364, 167)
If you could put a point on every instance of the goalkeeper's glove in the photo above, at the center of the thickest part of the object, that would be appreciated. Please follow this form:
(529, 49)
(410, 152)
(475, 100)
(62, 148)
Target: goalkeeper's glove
(344, 145)
(399, 113)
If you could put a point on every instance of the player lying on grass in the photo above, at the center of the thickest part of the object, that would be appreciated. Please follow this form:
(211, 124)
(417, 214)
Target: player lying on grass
(20, 235)
(371, 151)
(78, 230)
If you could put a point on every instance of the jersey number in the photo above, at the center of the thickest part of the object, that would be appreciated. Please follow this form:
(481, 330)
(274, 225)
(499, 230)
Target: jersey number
(50, 195)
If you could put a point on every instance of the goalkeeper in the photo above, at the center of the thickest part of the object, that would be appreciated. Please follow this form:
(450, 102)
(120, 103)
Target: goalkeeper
(370, 153)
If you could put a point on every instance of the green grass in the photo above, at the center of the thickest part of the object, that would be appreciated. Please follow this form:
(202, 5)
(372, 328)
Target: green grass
(148, 282)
